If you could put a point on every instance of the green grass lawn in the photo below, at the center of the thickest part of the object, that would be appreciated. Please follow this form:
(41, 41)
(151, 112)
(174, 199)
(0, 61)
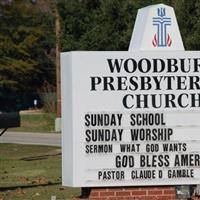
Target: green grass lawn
(30, 172)
(36, 122)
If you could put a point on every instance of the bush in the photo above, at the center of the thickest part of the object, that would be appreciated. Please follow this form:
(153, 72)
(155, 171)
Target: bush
(47, 95)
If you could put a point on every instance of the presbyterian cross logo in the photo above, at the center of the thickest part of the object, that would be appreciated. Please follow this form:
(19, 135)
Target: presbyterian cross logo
(161, 38)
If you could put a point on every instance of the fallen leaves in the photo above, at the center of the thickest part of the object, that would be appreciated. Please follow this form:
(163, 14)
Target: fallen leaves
(19, 192)
(23, 179)
(41, 181)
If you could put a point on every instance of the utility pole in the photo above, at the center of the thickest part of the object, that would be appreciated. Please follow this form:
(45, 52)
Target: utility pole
(57, 30)
(58, 75)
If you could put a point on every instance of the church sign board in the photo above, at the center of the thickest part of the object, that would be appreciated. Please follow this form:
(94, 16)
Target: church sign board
(132, 118)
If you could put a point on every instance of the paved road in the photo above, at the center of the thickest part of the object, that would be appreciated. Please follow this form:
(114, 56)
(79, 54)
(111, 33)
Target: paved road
(51, 139)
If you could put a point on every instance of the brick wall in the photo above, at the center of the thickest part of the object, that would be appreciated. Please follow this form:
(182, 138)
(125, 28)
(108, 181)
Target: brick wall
(133, 193)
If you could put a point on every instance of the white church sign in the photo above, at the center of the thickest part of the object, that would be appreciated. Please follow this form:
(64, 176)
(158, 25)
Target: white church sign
(133, 118)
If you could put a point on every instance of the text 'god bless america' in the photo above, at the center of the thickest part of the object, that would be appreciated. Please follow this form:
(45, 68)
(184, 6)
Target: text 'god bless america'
(152, 83)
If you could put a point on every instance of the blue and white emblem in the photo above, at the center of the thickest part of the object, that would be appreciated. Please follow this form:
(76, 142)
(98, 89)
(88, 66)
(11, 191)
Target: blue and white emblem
(162, 37)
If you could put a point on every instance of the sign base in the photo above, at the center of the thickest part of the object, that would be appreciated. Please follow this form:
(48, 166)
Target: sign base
(133, 193)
